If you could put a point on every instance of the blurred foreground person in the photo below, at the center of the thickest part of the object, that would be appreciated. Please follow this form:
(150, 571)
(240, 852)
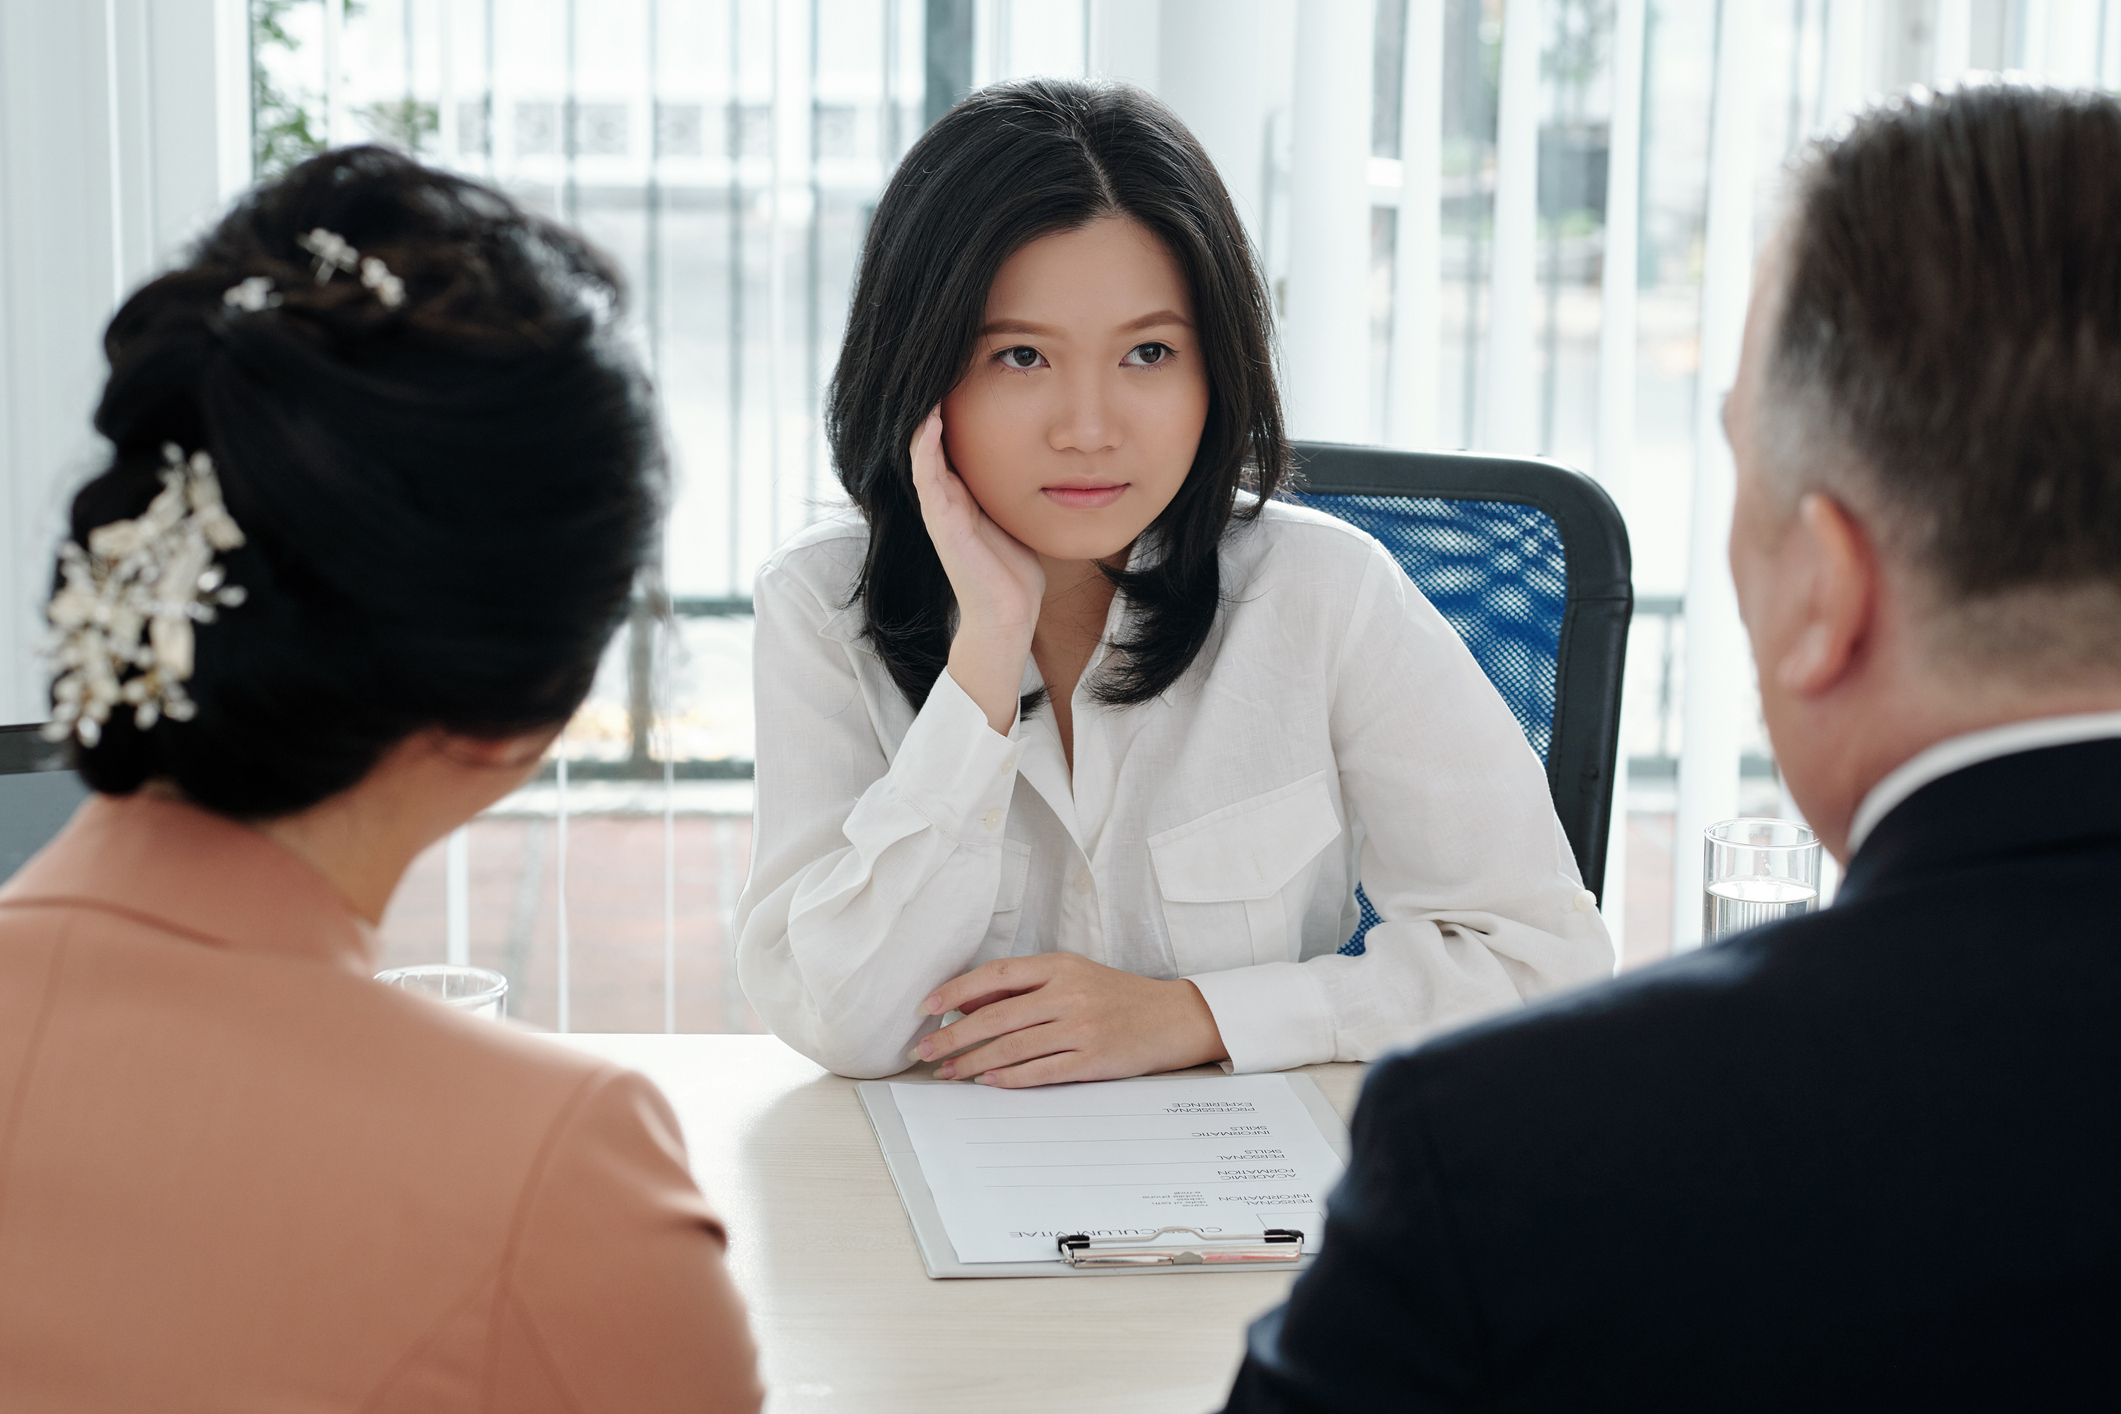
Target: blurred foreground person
(380, 490)
(1867, 1158)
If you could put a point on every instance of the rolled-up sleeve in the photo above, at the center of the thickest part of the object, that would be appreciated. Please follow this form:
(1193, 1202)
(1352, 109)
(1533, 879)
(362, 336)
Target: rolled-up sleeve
(873, 880)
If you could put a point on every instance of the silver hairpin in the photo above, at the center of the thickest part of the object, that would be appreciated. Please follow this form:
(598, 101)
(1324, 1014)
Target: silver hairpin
(126, 605)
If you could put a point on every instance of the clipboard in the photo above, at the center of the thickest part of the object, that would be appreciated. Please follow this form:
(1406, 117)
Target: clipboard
(929, 1235)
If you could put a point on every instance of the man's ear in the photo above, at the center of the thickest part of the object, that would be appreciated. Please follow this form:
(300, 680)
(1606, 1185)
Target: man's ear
(1839, 599)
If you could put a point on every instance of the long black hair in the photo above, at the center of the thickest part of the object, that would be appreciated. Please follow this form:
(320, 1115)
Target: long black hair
(446, 501)
(1010, 164)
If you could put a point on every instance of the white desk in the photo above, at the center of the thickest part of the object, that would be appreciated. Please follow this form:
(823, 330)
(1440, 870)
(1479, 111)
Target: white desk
(845, 1317)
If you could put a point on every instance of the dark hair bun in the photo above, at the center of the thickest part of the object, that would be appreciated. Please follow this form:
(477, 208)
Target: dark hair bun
(446, 501)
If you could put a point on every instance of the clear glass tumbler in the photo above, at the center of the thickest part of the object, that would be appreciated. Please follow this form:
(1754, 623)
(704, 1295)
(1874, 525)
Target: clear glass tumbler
(470, 989)
(1755, 872)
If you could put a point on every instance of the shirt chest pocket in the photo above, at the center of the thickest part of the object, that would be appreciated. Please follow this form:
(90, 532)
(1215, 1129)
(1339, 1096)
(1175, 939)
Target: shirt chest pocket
(1234, 882)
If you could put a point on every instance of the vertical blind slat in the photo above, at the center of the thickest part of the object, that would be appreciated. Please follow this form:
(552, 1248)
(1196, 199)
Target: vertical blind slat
(1326, 325)
(457, 895)
(559, 874)
(1617, 323)
(1507, 380)
(734, 350)
(728, 879)
(1417, 256)
(670, 893)
(1952, 42)
(778, 106)
(334, 102)
(1718, 681)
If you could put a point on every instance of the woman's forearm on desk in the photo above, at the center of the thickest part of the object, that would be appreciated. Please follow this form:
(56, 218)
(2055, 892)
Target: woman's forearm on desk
(873, 881)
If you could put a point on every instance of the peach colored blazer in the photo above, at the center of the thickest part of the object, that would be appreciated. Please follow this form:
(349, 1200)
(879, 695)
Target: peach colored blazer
(237, 1174)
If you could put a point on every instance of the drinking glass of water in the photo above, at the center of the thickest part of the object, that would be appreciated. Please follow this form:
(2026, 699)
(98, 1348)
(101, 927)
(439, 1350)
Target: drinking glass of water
(1755, 872)
(469, 989)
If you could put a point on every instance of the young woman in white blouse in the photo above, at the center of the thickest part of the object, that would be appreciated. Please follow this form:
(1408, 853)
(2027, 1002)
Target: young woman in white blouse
(1071, 728)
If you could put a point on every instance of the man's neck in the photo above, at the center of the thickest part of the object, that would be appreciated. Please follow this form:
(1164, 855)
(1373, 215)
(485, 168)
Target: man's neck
(1957, 753)
(1936, 713)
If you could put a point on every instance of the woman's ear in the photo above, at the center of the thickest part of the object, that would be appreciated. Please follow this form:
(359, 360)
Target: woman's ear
(506, 753)
(1837, 596)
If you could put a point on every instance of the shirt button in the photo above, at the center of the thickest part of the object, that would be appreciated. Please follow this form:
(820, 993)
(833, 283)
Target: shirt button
(992, 819)
(1586, 901)
(1083, 881)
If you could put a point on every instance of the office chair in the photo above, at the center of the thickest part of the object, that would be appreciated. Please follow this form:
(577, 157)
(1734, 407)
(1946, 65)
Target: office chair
(1529, 561)
(38, 794)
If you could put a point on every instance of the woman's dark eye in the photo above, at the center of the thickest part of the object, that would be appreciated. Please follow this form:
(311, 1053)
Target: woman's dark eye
(1148, 355)
(1022, 356)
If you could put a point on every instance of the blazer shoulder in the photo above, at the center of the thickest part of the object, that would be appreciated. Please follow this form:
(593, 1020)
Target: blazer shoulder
(482, 1053)
(1709, 997)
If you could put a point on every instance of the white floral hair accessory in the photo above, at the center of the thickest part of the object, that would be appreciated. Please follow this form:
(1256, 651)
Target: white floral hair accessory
(253, 294)
(128, 603)
(334, 254)
(332, 251)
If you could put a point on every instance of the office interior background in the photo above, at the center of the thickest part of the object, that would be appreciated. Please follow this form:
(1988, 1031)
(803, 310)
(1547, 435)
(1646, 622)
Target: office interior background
(1521, 226)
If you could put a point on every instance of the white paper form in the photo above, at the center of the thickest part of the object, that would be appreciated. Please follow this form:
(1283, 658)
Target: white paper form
(1012, 1171)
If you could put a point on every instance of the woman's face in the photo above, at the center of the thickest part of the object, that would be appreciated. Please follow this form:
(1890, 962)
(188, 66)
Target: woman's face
(1078, 420)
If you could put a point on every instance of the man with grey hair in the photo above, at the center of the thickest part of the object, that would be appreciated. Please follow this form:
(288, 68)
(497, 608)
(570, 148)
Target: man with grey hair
(1871, 1157)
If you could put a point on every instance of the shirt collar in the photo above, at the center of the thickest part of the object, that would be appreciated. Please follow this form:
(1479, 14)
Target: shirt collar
(200, 875)
(1959, 752)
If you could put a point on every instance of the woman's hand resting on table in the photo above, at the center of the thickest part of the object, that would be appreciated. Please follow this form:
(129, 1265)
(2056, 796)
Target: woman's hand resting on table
(1054, 1017)
(998, 581)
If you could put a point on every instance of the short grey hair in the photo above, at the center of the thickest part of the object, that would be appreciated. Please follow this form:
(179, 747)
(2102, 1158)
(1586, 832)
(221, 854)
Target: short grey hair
(1947, 358)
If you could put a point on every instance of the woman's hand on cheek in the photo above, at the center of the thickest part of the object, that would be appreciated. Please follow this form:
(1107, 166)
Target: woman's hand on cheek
(1056, 1017)
(998, 582)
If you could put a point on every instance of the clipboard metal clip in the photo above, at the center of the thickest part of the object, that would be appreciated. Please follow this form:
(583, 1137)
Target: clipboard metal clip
(1276, 1244)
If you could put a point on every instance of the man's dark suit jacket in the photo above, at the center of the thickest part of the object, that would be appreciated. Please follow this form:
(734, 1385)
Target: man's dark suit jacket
(1866, 1159)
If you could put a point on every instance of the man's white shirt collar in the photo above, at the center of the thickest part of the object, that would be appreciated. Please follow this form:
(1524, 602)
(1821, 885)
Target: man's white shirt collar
(1959, 752)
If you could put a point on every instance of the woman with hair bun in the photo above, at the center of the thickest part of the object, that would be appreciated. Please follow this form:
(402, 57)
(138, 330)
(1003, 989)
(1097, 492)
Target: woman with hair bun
(1073, 733)
(382, 484)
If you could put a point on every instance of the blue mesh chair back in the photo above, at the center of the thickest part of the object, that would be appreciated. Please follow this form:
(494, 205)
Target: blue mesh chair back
(1529, 562)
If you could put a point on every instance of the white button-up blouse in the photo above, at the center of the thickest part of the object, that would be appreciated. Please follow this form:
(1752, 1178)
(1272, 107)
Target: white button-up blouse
(1333, 730)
